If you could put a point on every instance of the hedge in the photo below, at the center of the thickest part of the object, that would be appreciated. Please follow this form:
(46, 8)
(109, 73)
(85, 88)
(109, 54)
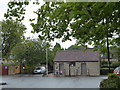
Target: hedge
(105, 71)
(112, 82)
(113, 64)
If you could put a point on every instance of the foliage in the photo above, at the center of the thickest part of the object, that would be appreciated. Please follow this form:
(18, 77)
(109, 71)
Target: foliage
(112, 76)
(28, 69)
(89, 22)
(57, 47)
(29, 52)
(104, 67)
(10, 64)
(52, 53)
(104, 62)
(73, 47)
(118, 53)
(12, 33)
(50, 58)
(16, 10)
(32, 53)
(109, 83)
(105, 71)
(112, 82)
(115, 64)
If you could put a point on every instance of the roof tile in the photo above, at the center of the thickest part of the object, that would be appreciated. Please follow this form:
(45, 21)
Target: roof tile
(77, 55)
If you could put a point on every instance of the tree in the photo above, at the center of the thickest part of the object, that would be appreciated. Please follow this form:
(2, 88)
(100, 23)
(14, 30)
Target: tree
(52, 53)
(90, 22)
(30, 53)
(16, 9)
(57, 47)
(77, 47)
(94, 23)
(12, 33)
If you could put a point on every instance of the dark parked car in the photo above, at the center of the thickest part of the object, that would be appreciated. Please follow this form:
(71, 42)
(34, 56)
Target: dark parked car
(117, 71)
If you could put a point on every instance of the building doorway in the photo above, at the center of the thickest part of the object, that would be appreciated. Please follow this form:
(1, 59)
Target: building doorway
(83, 69)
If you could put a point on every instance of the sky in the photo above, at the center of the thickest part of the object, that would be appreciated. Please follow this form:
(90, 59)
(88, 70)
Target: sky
(30, 15)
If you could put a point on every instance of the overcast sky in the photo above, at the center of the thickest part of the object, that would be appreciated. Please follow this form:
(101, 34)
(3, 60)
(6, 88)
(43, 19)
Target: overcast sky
(30, 15)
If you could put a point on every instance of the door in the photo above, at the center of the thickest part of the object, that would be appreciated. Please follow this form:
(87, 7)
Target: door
(83, 69)
(4, 70)
(61, 68)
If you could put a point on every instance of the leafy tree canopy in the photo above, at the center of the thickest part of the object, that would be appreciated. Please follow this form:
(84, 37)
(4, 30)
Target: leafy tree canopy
(57, 47)
(29, 52)
(88, 22)
(12, 33)
(76, 47)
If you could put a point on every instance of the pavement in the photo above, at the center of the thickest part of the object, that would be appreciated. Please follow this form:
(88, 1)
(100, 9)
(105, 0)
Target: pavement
(37, 81)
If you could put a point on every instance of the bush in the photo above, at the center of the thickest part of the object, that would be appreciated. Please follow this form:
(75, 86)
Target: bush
(104, 66)
(112, 76)
(105, 71)
(28, 70)
(104, 62)
(108, 84)
(113, 81)
(115, 64)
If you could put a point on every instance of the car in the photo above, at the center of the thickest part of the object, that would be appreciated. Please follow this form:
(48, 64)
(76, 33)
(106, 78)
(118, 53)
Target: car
(39, 70)
(117, 71)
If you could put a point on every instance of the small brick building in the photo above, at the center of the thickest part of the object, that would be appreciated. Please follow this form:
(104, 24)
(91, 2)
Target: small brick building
(77, 62)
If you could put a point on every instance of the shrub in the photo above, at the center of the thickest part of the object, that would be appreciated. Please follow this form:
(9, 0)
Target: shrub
(112, 76)
(104, 66)
(112, 82)
(115, 64)
(28, 69)
(105, 71)
(104, 62)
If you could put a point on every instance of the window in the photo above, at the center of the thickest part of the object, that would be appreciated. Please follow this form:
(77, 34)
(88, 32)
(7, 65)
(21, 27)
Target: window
(72, 63)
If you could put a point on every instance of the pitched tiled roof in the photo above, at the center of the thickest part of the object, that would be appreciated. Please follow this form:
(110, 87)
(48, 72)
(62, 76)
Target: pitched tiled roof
(77, 55)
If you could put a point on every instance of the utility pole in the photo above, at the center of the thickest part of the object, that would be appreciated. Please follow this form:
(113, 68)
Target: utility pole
(46, 61)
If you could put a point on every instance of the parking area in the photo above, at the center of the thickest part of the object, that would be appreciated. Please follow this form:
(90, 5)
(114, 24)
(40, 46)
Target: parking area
(37, 81)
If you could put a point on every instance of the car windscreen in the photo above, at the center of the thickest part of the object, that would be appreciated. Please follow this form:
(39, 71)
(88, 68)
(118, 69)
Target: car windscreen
(38, 68)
